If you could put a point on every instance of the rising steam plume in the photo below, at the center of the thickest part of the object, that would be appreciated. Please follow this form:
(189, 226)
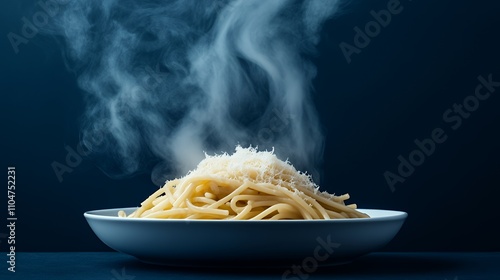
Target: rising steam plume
(166, 81)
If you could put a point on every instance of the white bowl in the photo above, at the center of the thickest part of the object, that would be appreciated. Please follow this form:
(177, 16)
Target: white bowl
(241, 243)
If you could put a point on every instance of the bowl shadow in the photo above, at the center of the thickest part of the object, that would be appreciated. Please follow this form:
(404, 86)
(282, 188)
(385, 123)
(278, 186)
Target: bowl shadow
(375, 265)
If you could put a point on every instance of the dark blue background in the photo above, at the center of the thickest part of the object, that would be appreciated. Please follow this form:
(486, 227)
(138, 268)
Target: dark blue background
(372, 109)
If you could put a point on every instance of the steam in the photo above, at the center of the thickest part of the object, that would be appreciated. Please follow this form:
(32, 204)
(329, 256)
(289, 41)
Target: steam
(166, 81)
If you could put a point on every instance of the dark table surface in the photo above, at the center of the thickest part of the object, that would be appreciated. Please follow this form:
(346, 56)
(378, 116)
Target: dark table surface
(117, 266)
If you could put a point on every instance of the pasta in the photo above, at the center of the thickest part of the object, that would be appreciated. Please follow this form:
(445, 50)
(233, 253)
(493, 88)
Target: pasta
(247, 185)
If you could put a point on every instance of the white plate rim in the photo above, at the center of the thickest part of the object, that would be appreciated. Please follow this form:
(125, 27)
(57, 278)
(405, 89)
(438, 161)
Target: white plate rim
(390, 216)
